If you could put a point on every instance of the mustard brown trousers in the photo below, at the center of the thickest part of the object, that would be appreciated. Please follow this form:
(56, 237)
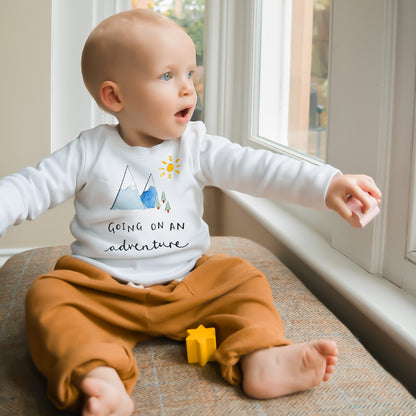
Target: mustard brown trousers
(78, 317)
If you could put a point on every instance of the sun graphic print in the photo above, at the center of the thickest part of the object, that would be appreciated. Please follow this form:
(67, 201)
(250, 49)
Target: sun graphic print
(170, 167)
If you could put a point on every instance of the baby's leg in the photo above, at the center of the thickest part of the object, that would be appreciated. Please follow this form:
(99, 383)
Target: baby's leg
(274, 372)
(75, 324)
(104, 394)
(250, 332)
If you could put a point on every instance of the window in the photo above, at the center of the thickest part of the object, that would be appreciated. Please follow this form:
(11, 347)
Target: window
(370, 114)
(293, 75)
(371, 107)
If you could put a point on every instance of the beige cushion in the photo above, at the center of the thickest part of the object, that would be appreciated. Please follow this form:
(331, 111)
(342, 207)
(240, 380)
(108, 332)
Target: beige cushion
(169, 386)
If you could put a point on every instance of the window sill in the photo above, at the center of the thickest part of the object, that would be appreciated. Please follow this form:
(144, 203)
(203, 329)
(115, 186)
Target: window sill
(384, 304)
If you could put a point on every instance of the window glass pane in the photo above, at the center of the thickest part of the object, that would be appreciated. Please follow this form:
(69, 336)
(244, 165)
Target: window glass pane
(190, 15)
(293, 74)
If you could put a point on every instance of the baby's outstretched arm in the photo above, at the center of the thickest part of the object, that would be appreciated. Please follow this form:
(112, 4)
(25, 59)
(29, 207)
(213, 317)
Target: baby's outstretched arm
(342, 187)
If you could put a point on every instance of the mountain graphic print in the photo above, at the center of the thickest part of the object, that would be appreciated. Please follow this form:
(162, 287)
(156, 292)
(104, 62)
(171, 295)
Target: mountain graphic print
(129, 198)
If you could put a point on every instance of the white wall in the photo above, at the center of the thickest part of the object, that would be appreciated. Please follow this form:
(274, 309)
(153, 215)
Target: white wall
(25, 73)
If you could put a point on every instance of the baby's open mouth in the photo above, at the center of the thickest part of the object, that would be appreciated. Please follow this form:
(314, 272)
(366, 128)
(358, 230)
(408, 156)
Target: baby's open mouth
(183, 113)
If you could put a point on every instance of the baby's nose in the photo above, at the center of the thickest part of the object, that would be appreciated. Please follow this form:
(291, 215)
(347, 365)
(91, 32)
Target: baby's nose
(187, 87)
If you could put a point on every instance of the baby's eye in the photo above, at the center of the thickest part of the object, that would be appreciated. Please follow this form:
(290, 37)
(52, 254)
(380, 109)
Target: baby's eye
(166, 76)
(189, 74)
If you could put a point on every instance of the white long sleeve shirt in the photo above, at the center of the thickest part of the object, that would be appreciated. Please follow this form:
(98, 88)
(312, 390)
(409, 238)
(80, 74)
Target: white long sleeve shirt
(139, 210)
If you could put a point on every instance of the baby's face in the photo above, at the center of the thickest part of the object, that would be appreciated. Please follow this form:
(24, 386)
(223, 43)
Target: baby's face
(156, 87)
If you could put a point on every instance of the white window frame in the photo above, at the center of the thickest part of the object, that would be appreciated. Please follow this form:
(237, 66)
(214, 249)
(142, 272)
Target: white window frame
(399, 265)
(411, 244)
(363, 114)
(72, 108)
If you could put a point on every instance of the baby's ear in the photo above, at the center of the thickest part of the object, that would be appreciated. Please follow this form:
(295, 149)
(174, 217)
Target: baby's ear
(110, 96)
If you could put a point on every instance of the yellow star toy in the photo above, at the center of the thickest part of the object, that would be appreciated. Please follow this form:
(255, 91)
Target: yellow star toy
(201, 345)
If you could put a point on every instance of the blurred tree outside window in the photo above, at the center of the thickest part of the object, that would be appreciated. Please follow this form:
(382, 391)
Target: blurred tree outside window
(319, 77)
(293, 75)
(309, 77)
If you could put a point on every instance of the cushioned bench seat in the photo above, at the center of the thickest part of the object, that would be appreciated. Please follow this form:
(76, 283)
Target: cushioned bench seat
(169, 386)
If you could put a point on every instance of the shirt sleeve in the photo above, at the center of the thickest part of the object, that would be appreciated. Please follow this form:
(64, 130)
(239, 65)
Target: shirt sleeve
(264, 173)
(31, 191)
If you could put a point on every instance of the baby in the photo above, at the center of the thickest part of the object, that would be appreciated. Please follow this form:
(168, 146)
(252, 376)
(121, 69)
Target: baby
(138, 267)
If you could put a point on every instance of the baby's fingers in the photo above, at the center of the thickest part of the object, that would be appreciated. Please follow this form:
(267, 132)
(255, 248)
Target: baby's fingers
(338, 204)
(368, 185)
(365, 191)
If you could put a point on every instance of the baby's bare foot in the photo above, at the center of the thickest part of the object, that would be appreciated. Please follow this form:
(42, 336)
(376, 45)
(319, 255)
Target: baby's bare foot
(278, 371)
(105, 394)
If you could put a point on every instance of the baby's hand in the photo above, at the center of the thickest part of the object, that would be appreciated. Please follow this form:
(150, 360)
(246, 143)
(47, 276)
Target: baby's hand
(343, 187)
